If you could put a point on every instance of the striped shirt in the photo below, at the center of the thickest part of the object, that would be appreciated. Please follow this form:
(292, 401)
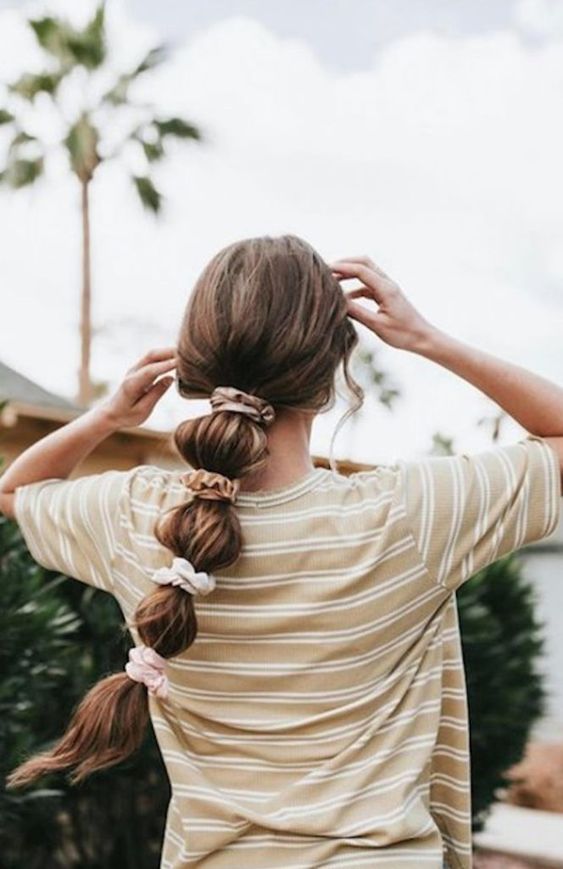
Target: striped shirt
(320, 717)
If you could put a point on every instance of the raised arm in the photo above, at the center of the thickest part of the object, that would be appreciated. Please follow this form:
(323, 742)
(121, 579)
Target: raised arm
(59, 452)
(535, 402)
(532, 400)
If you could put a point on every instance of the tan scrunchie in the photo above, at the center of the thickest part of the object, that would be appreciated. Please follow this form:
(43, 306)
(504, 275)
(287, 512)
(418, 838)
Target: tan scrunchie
(229, 398)
(210, 485)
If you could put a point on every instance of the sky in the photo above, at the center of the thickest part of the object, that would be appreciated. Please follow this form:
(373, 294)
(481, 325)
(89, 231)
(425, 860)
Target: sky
(427, 135)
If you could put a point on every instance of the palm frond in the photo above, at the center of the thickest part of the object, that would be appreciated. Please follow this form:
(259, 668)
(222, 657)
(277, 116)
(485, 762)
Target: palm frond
(31, 84)
(178, 128)
(50, 34)
(117, 95)
(153, 150)
(153, 58)
(148, 194)
(82, 146)
(20, 173)
(71, 46)
(6, 117)
(89, 45)
(21, 138)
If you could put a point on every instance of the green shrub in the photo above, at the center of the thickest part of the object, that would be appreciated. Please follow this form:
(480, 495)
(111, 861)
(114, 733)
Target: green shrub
(502, 643)
(56, 639)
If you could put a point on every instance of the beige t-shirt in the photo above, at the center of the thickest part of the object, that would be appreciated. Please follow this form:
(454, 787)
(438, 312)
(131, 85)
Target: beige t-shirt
(320, 717)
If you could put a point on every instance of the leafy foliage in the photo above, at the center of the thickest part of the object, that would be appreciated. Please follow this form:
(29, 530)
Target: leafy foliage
(441, 445)
(148, 194)
(502, 643)
(178, 128)
(20, 173)
(30, 84)
(58, 637)
(69, 48)
(37, 629)
(370, 375)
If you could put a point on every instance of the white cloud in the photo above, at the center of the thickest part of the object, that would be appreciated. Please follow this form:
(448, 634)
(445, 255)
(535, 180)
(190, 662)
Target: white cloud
(540, 17)
(442, 161)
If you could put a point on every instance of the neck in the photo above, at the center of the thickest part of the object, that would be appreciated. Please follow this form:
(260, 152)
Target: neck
(289, 454)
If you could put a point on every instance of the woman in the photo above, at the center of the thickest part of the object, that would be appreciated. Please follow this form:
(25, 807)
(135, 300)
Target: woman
(299, 657)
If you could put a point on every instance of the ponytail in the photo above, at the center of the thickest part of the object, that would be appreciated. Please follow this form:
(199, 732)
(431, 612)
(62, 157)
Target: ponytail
(110, 722)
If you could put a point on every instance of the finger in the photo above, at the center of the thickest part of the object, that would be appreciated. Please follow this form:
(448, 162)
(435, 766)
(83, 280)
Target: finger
(361, 314)
(342, 278)
(142, 380)
(367, 276)
(155, 355)
(359, 293)
(362, 260)
(152, 395)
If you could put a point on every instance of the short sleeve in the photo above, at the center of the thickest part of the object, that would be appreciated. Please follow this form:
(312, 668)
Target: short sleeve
(468, 510)
(71, 525)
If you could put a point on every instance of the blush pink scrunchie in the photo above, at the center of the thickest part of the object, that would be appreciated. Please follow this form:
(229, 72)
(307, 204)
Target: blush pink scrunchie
(183, 574)
(147, 666)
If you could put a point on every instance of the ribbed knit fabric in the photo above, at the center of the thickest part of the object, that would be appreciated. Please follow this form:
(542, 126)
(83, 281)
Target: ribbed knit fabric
(320, 717)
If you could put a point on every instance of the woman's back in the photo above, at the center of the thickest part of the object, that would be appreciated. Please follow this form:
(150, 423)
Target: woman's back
(312, 710)
(321, 712)
(301, 721)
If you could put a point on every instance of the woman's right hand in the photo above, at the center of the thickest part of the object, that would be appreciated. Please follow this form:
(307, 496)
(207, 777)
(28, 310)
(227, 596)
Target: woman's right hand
(395, 320)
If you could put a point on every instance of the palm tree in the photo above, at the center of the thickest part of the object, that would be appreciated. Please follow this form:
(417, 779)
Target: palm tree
(76, 63)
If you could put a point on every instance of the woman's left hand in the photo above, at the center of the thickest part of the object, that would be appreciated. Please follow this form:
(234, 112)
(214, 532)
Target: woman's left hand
(135, 398)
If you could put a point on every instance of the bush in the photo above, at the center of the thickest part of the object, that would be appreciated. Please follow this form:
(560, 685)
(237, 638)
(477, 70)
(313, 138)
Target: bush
(501, 647)
(56, 639)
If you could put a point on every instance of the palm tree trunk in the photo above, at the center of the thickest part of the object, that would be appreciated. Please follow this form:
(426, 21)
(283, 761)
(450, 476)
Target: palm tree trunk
(84, 382)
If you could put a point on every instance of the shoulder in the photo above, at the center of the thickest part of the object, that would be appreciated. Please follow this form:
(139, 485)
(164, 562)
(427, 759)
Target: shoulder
(380, 482)
(147, 486)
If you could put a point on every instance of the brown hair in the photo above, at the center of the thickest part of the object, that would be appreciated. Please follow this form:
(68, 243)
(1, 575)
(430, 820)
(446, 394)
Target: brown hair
(268, 317)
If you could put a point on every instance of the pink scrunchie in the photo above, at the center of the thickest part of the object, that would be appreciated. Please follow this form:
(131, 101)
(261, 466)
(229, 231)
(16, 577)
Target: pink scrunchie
(147, 666)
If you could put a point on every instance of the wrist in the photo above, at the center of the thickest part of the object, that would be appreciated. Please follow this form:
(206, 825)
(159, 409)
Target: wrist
(429, 342)
(104, 420)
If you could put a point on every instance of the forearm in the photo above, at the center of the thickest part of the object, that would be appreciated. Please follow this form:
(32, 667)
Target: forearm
(533, 401)
(58, 453)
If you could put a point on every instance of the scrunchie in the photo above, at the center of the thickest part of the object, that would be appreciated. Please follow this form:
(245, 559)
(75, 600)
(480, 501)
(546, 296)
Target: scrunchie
(229, 398)
(183, 574)
(147, 666)
(210, 485)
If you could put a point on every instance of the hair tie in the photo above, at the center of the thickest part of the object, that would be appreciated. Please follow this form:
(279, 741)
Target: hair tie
(147, 666)
(229, 398)
(210, 485)
(183, 574)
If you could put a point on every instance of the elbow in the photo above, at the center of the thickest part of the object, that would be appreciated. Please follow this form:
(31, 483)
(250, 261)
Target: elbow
(7, 504)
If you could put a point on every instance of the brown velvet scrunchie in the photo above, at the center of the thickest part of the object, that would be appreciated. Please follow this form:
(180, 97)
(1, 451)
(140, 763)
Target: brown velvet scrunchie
(210, 485)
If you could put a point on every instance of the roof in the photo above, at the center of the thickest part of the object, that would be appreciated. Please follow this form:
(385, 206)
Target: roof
(15, 387)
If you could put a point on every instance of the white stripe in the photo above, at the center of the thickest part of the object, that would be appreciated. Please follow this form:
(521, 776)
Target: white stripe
(343, 603)
(330, 735)
(348, 634)
(237, 668)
